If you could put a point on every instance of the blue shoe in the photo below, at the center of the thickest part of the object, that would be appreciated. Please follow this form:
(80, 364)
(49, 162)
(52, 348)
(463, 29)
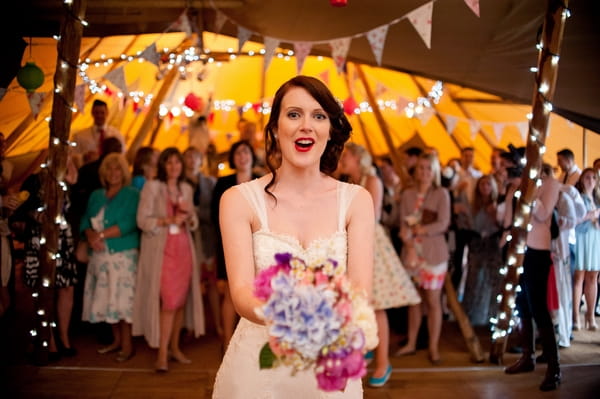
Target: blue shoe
(369, 357)
(379, 382)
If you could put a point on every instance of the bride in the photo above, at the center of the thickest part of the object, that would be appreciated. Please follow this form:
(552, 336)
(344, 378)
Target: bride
(297, 208)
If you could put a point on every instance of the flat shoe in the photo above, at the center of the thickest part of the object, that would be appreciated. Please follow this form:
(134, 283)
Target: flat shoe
(379, 382)
(435, 362)
(107, 349)
(182, 360)
(161, 368)
(123, 357)
(399, 353)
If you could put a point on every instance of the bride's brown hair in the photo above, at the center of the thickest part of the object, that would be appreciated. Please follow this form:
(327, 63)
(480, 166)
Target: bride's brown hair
(340, 126)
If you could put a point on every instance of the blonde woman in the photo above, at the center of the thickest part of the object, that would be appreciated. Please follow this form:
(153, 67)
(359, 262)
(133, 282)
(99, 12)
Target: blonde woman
(109, 224)
(391, 284)
(425, 217)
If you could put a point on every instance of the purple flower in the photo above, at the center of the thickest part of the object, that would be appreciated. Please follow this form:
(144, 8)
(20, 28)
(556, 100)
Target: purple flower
(262, 282)
(336, 368)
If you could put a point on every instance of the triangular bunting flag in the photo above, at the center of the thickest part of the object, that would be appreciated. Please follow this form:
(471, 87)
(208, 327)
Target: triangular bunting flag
(473, 5)
(150, 54)
(325, 76)
(79, 97)
(270, 46)
(182, 24)
(2, 92)
(426, 115)
(401, 104)
(498, 128)
(376, 39)
(117, 77)
(339, 49)
(220, 19)
(420, 19)
(523, 129)
(301, 50)
(36, 99)
(451, 122)
(474, 126)
(243, 36)
(380, 88)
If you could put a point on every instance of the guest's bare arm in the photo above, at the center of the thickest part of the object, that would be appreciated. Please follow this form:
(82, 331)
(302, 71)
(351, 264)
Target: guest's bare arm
(361, 236)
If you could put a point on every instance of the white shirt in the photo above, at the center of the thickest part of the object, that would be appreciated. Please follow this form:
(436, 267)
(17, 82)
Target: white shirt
(87, 139)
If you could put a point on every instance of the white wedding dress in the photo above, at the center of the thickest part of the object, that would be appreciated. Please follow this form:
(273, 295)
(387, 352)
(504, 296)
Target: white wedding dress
(239, 375)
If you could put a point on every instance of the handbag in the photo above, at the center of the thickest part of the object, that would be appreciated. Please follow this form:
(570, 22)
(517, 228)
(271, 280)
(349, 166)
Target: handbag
(82, 252)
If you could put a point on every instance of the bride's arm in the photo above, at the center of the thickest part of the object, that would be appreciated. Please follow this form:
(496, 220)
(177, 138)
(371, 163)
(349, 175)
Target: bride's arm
(235, 219)
(361, 236)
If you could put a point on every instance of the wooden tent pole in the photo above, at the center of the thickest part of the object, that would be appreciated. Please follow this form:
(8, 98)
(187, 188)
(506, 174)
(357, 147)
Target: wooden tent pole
(584, 147)
(437, 114)
(363, 129)
(545, 84)
(53, 194)
(380, 120)
(147, 124)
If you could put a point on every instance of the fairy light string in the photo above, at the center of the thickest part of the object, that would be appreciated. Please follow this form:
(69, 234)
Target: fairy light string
(53, 173)
(545, 83)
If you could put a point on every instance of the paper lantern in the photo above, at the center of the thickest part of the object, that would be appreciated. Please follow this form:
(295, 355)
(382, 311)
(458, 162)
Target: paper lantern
(30, 77)
(193, 102)
(338, 3)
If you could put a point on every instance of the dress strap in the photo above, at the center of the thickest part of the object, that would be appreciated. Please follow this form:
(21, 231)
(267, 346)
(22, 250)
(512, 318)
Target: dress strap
(346, 193)
(254, 194)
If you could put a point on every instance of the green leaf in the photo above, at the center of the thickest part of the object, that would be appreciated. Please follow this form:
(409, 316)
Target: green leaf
(266, 358)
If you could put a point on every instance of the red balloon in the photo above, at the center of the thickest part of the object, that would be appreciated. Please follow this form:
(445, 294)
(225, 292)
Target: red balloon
(350, 105)
(338, 3)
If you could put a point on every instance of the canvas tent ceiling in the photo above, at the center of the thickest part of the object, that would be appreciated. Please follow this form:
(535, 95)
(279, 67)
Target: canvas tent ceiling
(492, 52)
(240, 80)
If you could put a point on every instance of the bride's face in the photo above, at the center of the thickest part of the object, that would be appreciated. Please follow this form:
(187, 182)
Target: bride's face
(302, 128)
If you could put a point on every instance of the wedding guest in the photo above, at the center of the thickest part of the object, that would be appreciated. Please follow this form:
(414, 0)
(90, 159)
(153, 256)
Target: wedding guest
(297, 208)
(168, 293)
(425, 216)
(485, 258)
(205, 237)
(144, 166)
(109, 225)
(242, 160)
(392, 287)
(587, 251)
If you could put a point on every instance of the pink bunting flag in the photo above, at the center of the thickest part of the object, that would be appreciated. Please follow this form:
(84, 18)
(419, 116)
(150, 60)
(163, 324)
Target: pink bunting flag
(339, 50)
(498, 128)
(36, 99)
(325, 76)
(220, 19)
(425, 116)
(243, 36)
(79, 97)
(301, 50)
(182, 24)
(376, 38)
(117, 77)
(150, 54)
(380, 88)
(270, 47)
(451, 122)
(420, 18)
(473, 5)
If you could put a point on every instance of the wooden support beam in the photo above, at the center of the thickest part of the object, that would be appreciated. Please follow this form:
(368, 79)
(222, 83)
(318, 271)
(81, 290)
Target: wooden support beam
(64, 80)
(543, 92)
(363, 128)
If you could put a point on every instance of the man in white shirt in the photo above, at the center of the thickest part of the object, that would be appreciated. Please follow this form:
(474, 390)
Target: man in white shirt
(570, 171)
(89, 140)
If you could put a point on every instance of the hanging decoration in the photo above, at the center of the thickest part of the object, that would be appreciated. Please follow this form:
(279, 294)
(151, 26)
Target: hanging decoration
(30, 77)
(338, 3)
(193, 102)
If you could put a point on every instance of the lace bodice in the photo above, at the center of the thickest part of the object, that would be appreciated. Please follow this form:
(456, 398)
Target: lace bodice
(267, 243)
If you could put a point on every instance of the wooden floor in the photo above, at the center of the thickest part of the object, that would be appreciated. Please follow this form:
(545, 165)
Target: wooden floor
(90, 375)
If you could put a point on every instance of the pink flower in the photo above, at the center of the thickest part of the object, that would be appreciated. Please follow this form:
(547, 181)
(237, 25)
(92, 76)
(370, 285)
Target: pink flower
(344, 308)
(337, 369)
(321, 278)
(262, 282)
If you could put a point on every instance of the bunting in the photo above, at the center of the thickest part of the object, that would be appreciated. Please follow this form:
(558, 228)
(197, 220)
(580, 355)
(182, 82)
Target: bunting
(325, 76)
(473, 5)
(474, 127)
(243, 36)
(117, 77)
(79, 97)
(376, 38)
(301, 50)
(339, 50)
(420, 18)
(182, 24)
(270, 47)
(451, 122)
(498, 128)
(151, 55)
(220, 19)
(523, 129)
(36, 99)
(425, 116)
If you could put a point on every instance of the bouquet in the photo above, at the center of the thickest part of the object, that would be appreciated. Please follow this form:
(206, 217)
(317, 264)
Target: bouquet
(315, 320)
